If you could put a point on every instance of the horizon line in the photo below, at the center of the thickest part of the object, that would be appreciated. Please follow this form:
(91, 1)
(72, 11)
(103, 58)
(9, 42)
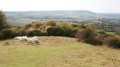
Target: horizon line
(59, 10)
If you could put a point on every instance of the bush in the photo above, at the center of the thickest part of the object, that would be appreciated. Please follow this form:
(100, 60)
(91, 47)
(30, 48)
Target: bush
(86, 35)
(18, 32)
(33, 33)
(56, 31)
(64, 24)
(74, 31)
(1, 36)
(74, 25)
(100, 31)
(117, 32)
(112, 41)
(70, 32)
(100, 37)
(7, 33)
(44, 34)
(51, 23)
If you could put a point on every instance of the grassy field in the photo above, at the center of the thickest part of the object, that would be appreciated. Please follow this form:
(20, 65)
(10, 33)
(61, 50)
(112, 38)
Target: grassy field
(56, 52)
(112, 33)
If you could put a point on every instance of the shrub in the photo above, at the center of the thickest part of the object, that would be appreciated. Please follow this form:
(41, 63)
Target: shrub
(70, 32)
(28, 26)
(51, 23)
(44, 34)
(18, 32)
(1, 36)
(33, 33)
(74, 25)
(56, 31)
(100, 37)
(117, 32)
(112, 41)
(74, 31)
(100, 31)
(86, 35)
(7, 33)
(63, 24)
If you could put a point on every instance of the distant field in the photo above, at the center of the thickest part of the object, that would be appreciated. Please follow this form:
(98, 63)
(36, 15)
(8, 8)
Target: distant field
(56, 52)
(112, 33)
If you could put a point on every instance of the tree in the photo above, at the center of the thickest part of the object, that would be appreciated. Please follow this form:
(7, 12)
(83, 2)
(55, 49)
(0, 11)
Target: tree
(28, 26)
(63, 24)
(3, 21)
(74, 25)
(51, 23)
(83, 26)
(91, 26)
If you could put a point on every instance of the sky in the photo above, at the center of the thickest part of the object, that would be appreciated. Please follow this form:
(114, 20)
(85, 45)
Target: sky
(98, 6)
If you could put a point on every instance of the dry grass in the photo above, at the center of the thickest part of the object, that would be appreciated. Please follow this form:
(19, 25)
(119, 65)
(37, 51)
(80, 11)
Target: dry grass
(91, 56)
(57, 41)
(56, 52)
(14, 53)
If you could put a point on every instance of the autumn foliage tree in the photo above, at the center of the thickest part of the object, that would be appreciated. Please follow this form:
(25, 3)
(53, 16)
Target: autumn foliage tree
(51, 23)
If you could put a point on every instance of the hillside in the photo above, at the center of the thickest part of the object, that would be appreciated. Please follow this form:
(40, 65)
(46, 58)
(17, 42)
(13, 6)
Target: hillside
(56, 52)
(25, 17)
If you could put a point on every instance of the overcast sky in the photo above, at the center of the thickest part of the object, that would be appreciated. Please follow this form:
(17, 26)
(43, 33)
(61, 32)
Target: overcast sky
(99, 6)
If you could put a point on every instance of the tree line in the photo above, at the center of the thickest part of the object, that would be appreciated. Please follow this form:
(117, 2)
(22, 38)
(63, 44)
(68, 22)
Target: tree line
(83, 32)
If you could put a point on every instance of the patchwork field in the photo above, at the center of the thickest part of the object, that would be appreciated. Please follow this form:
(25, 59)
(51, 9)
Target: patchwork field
(56, 52)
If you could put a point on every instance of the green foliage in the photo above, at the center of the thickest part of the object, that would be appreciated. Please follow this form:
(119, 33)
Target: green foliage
(33, 33)
(6, 33)
(56, 31)
(83, 26)
(18, 31)
(100, 31)
(91, 26)
(63, 24)
(1, 36)
(117, 32)
(111, 33)
(3, 21)
(74, 25)
(70, 32)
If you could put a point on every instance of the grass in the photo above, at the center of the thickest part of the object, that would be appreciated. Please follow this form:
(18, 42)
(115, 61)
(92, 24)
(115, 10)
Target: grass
(90, 56)
(56, 52)
(112, 33)
(19, 54)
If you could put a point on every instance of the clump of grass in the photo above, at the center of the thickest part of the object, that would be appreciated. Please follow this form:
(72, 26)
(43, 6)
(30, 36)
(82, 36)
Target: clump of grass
(6, 44)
